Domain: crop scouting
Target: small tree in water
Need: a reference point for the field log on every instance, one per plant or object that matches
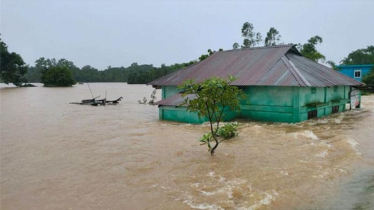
(213, 97)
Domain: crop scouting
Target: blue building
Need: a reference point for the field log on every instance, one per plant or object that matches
(355, 71)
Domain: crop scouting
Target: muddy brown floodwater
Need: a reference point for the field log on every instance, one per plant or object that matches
(60, 156)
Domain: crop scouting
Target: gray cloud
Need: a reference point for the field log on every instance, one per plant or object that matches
(118, 33)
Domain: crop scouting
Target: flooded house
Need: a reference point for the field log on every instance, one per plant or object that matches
(355, 71)
(281, 86)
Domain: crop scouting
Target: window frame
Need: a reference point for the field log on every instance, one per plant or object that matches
(354, 73)
(335, 109)
(312, 114)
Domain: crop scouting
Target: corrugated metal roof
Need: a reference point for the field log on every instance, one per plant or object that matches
(280, 65)
(319, 75)
(175, 100)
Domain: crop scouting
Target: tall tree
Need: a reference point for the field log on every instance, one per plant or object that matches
(272, 37)
(360, 56)
(12, 66)
(235, 45)
(251, 38)
(309, 49)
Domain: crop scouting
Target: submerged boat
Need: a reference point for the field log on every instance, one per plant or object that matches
(96, 102)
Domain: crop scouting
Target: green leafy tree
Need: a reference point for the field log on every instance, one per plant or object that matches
(33, 74)
(309, 49)
(213, 97)
(57, 76)
(235, 45)
(272, 37)
(210, 52)
(251, 38)
(332, 64)
(204, 56)
(369, 79)
(12, 66)
(360, 56)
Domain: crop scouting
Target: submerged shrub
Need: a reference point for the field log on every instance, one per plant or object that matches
(206, 138)
(213, 97)
(228, 131)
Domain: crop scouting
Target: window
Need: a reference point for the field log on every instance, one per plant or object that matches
(357, 73)
(335, 88)
(312, 114)
(335, 109)
(314, 90)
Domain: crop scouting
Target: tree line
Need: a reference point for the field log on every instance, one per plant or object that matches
(14, 70)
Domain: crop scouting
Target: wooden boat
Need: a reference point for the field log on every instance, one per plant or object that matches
(96, 102)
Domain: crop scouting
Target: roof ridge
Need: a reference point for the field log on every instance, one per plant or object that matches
(260, 67)
(295, 72)
(255, 48)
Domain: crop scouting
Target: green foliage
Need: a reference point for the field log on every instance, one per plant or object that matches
(369, 79)
(137, 76)
(12, 66)
(251, 38)
(309, 49)
(332, 64)
(272, 37)
(228, 130)
(210, 52)
(57, 76)
(360, 56)
(134, 74)
(203, 57)
(213, 97)
(206, 137)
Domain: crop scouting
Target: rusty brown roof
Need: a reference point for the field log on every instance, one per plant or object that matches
(280, 65)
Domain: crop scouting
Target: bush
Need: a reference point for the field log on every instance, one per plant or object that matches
(57, 76)
(206, 138)
(369, 79)
(228, 131)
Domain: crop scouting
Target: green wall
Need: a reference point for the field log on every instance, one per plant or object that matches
(272, 104)
(322, 100)
(168, 91)
(180, 114)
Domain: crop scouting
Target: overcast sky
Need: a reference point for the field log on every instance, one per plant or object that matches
(118, 32)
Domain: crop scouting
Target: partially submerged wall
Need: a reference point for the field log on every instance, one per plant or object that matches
(271, 104)
(180, 114)
(323, 100)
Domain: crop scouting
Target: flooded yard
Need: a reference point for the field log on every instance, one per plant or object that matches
(55, 155)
